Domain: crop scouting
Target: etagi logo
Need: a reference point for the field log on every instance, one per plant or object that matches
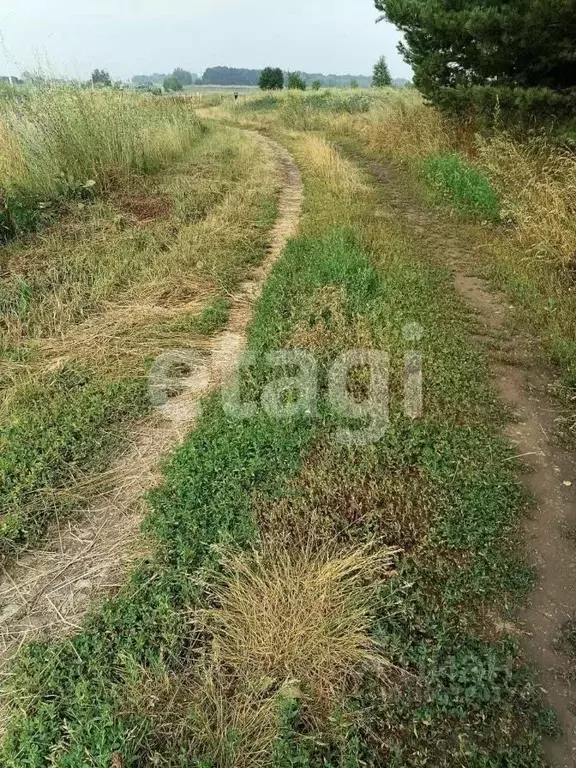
(297, 394)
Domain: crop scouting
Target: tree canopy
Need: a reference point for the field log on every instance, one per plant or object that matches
(101, 77)
(230, 76)
(271, 79)
(450, 43)
(184, 77)
(381, 77)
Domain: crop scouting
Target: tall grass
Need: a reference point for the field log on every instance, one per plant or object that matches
(538, 187)
(66, 141)
(534, 179)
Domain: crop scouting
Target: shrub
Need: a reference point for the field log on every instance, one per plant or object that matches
(465, 186)
(172, 84)
(296, 82)
(271, 79)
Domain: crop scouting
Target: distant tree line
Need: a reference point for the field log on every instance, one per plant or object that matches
(231, 76)
(182, 76)
(248, 77)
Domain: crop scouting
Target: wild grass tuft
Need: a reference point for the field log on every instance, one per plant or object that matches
(289, 629)
(303, 618)
(463, 186)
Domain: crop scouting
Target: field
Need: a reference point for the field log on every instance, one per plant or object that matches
(275, 379)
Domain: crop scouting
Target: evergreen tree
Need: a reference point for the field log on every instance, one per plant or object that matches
(271, 79)
(526, 43)
(381, 77)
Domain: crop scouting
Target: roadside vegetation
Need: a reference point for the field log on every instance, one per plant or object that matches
(311, 603)
(143, 260)
(303, 600)
(61, 143)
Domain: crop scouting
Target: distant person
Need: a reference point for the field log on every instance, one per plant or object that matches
(236, 94)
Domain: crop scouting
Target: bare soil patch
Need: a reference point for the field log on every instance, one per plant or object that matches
(144, 208)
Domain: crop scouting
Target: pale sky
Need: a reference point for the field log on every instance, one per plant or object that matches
(127, 37)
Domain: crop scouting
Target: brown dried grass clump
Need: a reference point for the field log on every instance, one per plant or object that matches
(329, 328)
(537, 185)
(290, 628)
(303, 616)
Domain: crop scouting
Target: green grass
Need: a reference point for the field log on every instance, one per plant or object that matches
(60, 428)
(445, 488)
(464, 186)
(212, 318)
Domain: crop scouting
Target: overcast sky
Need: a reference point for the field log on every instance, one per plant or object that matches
(127, 37)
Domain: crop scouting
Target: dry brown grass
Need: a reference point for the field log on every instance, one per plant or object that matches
(406, 129)
(289, 626)
(106, 290)
(327, 165)
(537, 184)
(300, 616)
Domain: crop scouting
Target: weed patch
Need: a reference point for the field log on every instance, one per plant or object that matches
(59, 430)
(467, 188)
